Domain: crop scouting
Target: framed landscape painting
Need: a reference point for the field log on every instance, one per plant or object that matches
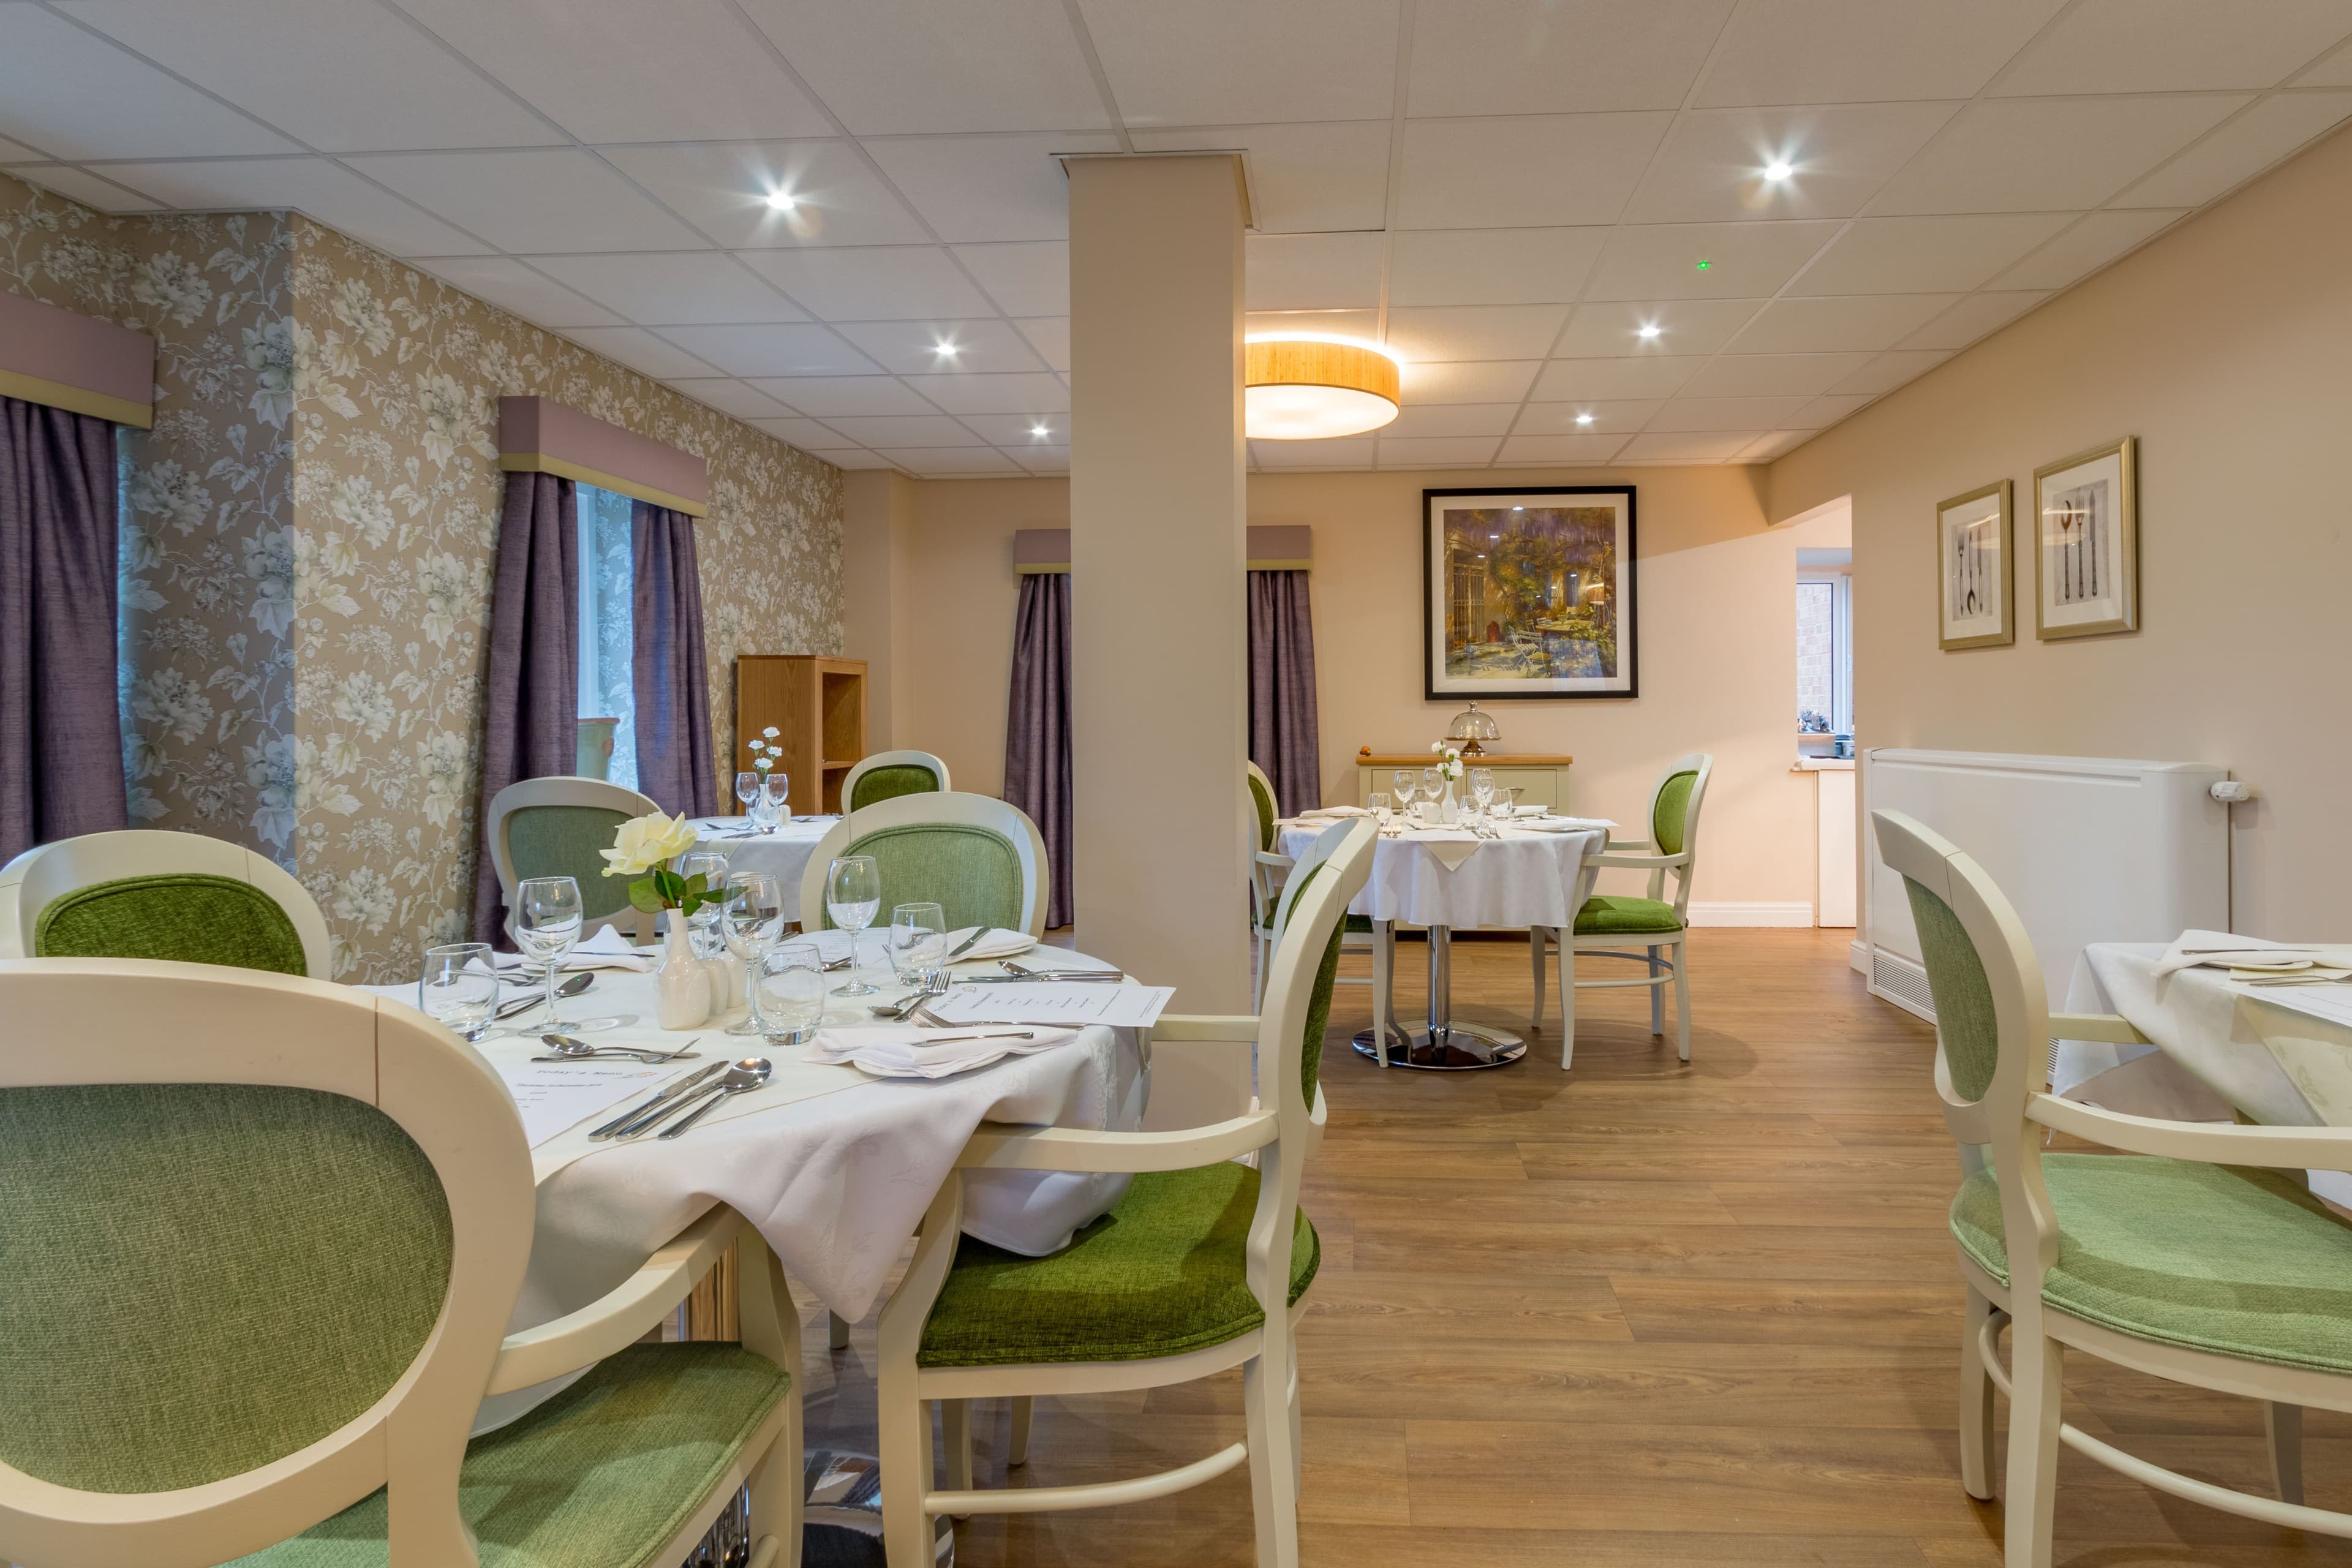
(2086, 543)
(1529, 592)
(1973, 537)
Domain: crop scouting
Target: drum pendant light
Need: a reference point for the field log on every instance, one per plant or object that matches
(1310, 389)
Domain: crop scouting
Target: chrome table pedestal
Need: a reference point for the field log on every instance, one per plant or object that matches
(1444, 1045)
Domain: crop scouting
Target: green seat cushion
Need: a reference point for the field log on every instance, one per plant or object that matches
(187, 916)
(890, 783)
(1158, 1275)
(601, 1475)
(569, 841)
(2210, 1258)
(1606, 913)
(1356, 925)
(973, 873)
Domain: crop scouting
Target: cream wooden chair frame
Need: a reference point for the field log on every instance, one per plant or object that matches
(561, 790)
(2006, 1127)
(140, 1022)
(893, 760)
(33, 881)
(1662, 971)
(945, 806)
(1280, 1135)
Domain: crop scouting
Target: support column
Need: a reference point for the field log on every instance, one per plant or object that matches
(1159, 671)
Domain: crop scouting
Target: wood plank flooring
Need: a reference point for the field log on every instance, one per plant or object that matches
(1641, 1313)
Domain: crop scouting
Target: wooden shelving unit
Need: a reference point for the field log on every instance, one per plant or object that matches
(817, 705)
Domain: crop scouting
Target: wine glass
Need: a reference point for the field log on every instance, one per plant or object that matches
(776, 794)
(1433, 788)
(702, 925)
(1405, 784)
(747, 789)
(459, 988)
(547, 925)
(1482, 790)
(788, 990)
(751, 922)
(1379, 804)
(919, 946)
(853, 897)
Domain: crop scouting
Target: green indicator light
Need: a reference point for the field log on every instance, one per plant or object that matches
(1704, 265)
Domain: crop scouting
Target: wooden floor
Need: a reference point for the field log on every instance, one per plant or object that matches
(1640, 1313)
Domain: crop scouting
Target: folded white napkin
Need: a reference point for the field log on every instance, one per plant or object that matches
(998, 944)
(910, 1053)
(1330, 813)
(1564, 824)
(2225, 950)
(608, 949)
(1503, 808)
(1451, 845)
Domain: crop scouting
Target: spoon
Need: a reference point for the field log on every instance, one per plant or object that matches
(905, 1005)
(567, 1047)
(571, 987)
(746, 1075)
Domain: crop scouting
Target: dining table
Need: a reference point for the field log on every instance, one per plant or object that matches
(1508, 875)
(782, 849)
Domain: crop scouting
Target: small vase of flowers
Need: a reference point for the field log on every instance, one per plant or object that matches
(643, 848)
(766, 757)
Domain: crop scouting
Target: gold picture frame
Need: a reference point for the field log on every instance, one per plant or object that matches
(1976, 542)
(2086, 543)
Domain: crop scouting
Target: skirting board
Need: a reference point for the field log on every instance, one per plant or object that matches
(1750, 914)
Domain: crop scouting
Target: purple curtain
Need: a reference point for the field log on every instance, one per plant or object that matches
(1037, 727)
(1284, 739)
(531, 682)
(60, 729)
(673, 682)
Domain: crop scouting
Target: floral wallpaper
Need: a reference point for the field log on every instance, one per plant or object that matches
(309, 535)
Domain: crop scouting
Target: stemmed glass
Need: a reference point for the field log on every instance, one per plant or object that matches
(853, 897)
(919, 946)
(1433, 786)
(1482, 790)
(547, 925)
(1379, 804)
(1405, 784)
(460, 986)
(788, 991)
(753, 921)
(776, 794)
(702, 926)
(747, 789)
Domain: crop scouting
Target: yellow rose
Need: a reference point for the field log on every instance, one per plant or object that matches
(645, 842)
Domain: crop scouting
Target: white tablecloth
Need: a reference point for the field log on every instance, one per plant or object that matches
(2202, 1063)
(785, 852)
(1523, 878)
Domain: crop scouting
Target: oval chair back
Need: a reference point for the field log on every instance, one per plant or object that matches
(1675, 802)
(558, 827)
(239, 1371)
(887, 775)
(146, 893)
(981, 859)
(1340, 858)
(1265, 807)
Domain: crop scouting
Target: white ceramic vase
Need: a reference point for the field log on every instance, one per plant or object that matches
(682, 982)
(1449, 811)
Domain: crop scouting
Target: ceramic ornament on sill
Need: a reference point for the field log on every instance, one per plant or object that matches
(1449, 768)
(643, 848)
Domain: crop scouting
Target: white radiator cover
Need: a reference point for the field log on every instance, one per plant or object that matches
(2088, 849)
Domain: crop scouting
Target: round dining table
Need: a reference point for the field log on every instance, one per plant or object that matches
(784, 849)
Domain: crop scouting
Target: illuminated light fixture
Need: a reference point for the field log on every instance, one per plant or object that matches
(1704, 265)
(1518, 508)
(1584, 419)
(1040, 430)
(946, 351)
(1649, 331)
(1778, 169)
(781, 200)
(1299, 387)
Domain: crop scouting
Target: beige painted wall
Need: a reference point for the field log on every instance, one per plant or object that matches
(2224, 348)
(1717, 652)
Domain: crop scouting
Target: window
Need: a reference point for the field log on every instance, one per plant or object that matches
(607, 582)
(1824, 647)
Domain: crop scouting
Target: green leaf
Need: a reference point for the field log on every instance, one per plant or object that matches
(644, 894)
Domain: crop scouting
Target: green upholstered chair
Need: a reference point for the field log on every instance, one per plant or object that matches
(885, 775)
(142, 893)
(1611, 925)
(979, 858)
(2195, 1254)
(1269, 869)
(558, 827)
(1200, 1266)
(309, 1261)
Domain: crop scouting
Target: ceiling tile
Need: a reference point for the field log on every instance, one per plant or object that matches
(1313, 271)
(1743, 260)
(512, 286)
(2264, 134)
(17, 152)
(909, 67)
(1843, 325)
(1024, 279)
(987, 187)
(1446, 333)
(1507, 57)
(795, 349)
(1592, 417)
(341, 75)
(1488, 381)
(1684, 327)
(1302, 178)
(1888, 371)
(1040, 457)
(826, 396)
(1016, 392)
(1866, 51)
(805, 433)
(1971, 318)
(1239, 62)
(722, 190)
(1050, 336)
(1712, 166)
(676, 290)
(1773, 444)
(2048, 154)
(1492, 265)
(1772, 376)
(1925, 255)
(2097, 239)
(1013, 431)
(1687, 446)
(732, 398)
(912, 348)
(1725, 412)
(1650, 376)
(621, 71)
(323, 189)
(1349, 452)
(1435, 451)
(1339, 323)
(537, 199)
(80, 185)
(951, 460)
(1434, 419)
(871, 283)
(850, 458)
(1535, 171)
(1823, 411)
(2174, 46)
(76, 96)
(2335, 70)
(640, 351)
(905, 430)
(1561, 449)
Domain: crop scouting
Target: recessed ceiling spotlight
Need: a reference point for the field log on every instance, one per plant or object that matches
(781, 200)
(946, 351)
(1518, 508)
(1649, 330)
(1584, 419)
(1778, 169)
(1039, 430)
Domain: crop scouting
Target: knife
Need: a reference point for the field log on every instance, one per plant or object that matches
(967, 945)
(680, 1087)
